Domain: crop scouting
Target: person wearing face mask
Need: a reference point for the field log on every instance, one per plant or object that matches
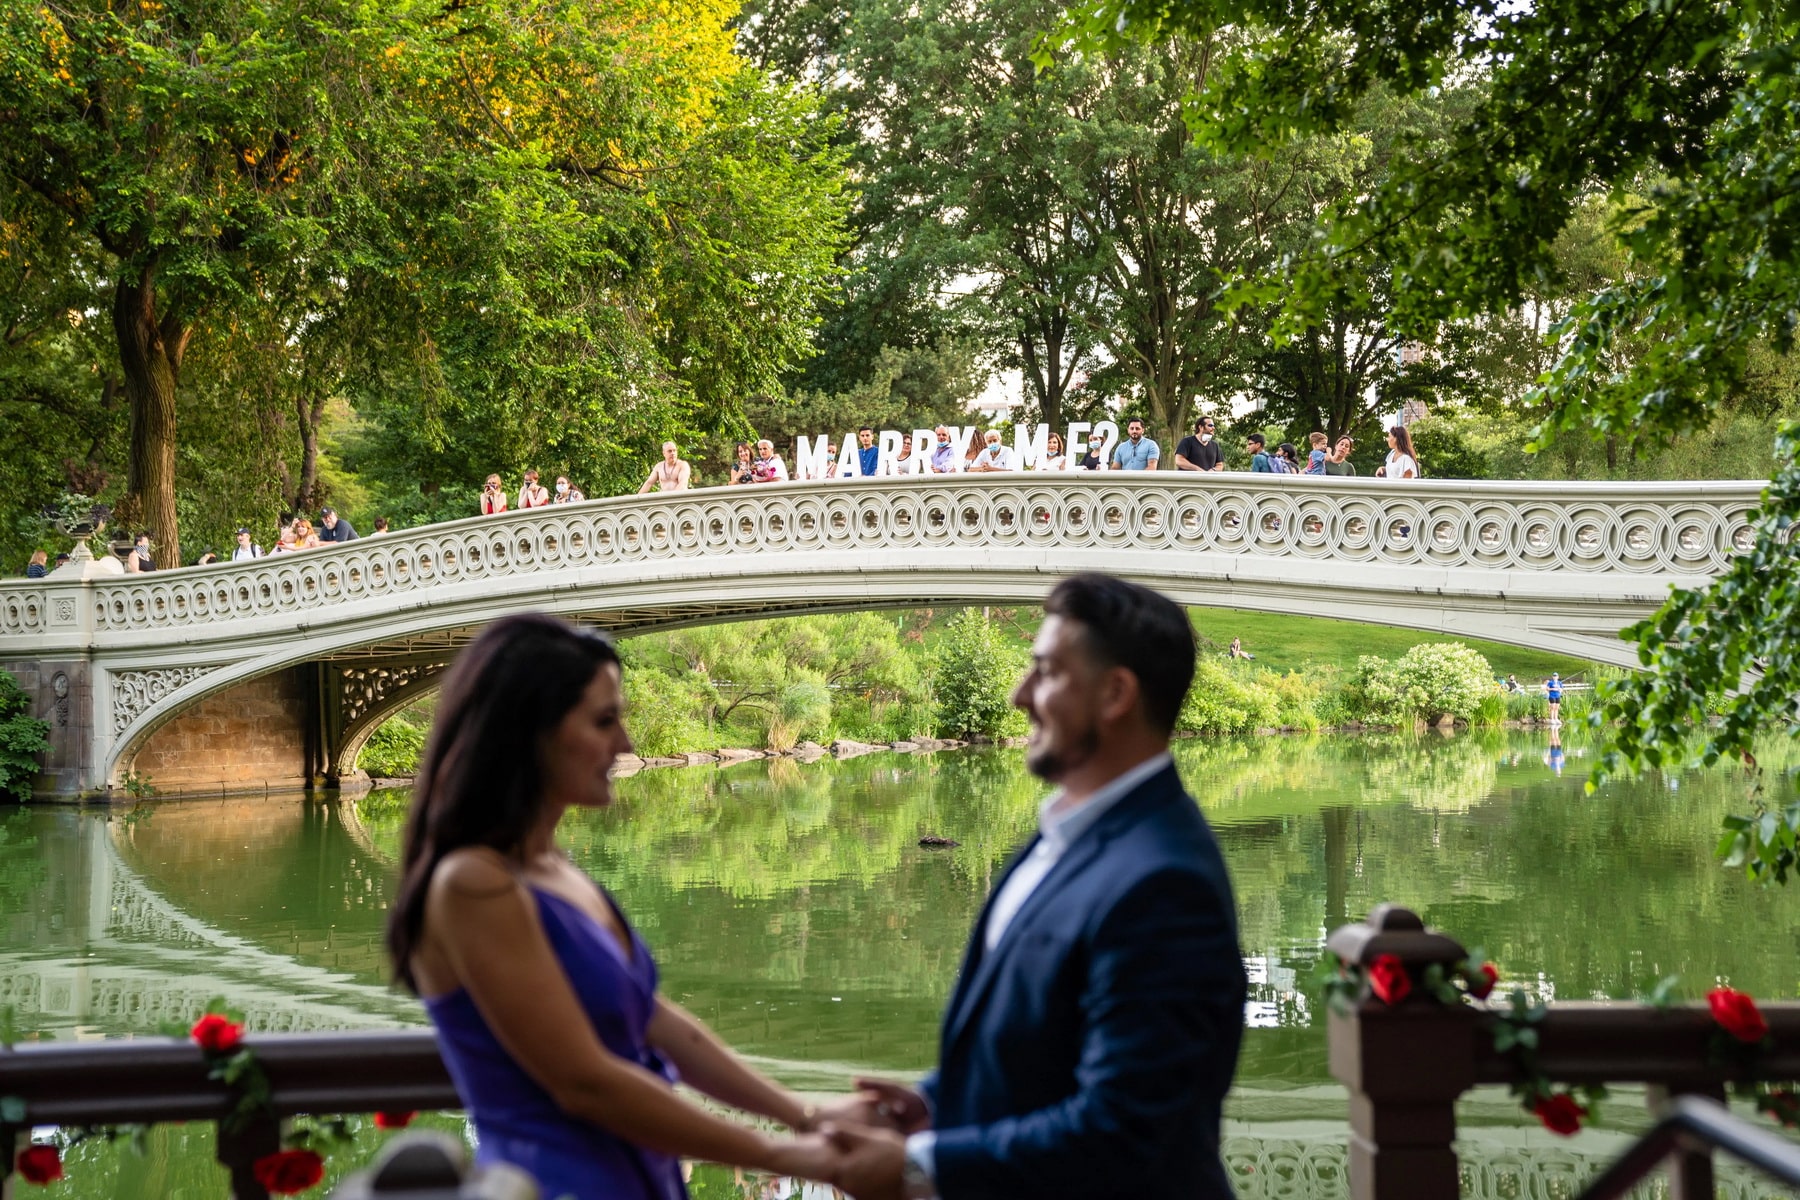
(671, 474)
(943, 459)
(1200, 451)
(994, 455)
(533, 494)
(1091, 460)
(565, 493)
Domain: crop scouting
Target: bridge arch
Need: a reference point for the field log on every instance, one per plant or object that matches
(365, 625)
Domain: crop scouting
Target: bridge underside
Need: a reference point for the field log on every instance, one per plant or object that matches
(300, 714)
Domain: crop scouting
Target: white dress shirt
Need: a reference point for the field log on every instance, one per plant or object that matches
(1057, 831)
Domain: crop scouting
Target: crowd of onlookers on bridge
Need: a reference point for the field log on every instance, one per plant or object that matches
(957, 451)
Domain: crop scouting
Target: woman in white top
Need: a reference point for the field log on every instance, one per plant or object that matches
(1400, 462)
(669, 475)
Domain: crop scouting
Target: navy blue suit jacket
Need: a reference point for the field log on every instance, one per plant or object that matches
(1088, 1055)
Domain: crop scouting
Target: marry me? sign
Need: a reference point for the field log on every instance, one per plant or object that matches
(1030, 448)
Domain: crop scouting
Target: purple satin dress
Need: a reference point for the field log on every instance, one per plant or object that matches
(516, 1121)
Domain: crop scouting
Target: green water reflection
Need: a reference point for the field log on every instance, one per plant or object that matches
(792, 907)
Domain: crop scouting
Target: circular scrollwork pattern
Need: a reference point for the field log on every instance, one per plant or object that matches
(1677, 531)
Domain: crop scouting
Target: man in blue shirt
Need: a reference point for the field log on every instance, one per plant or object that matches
(1256, 448)
(868, 454)
(1136, 452)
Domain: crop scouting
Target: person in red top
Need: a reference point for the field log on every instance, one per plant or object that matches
(493, 500)
(533, 494)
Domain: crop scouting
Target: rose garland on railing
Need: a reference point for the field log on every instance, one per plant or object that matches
(1741, 1038)
(1515, 1029)
(294, 1168)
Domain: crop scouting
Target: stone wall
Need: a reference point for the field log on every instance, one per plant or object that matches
(61, 692)
(248, 738)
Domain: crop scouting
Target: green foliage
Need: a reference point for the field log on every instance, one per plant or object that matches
(1443, 454)
(1688, 165)
(1225, 700)
(977, 670)
(1431, 681)
(393, 750)
(512, 235)
(23, 738)
(771, 684)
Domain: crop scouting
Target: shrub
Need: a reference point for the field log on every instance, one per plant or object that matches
(22, 739)
(976, 673)
(1222, 700)
(801, 709)
(1427, 683)
(393, 750)
(664, 712)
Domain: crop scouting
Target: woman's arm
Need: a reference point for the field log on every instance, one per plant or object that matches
(707, 1065)
(484, 927)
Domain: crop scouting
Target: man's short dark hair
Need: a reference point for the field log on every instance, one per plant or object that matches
(1126, 625)
(1130, 421)
(1257, 438)
(863, 430)
(1201, 423)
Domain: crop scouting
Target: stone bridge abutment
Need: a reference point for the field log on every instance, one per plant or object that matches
(273, 673)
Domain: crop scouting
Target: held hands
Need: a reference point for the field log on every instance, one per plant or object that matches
(860, 1140)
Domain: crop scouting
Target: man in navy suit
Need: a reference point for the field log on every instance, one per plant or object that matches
(1094, 1028)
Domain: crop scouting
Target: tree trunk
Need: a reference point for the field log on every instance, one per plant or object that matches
(311, 412)
(150, 352)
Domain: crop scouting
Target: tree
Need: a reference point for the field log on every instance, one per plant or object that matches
(519, 224)
(1683, 116)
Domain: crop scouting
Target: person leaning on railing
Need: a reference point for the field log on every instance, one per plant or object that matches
(544, 997)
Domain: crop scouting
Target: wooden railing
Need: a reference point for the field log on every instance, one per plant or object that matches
(1406, 1064)
(153, 1080)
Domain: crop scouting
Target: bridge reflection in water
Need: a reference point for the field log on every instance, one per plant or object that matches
(760, 886)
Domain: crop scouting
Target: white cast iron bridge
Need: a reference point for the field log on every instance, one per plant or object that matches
(371, 624)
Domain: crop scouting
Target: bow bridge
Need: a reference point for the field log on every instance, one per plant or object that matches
(275, 672)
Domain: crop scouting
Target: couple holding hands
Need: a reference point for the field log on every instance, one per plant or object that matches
(1088, 1044)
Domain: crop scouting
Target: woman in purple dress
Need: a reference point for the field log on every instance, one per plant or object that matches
(543, 995)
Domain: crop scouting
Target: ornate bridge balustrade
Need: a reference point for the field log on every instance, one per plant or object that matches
(345, 633)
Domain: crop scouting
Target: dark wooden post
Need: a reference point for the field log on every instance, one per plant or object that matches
(1690, 1169)
(12, 1140)
(1405, 1064)
(239, 1149)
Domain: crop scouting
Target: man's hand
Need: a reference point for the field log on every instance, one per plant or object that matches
(872, 1163)
(895, 1106)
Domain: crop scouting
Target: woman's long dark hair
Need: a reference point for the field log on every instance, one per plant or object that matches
(481, 779)
(1403, 443)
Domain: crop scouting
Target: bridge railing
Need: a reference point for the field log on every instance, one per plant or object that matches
(1657, 530)
(1407, 1063)
(152, 1080)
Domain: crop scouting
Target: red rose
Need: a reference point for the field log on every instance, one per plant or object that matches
(1388, 979)
(39, 1164)
(288, 1171)
(1560, 1113)
(1737, 1015)
(217, 1034)
(394, 1120)
(1481, 983)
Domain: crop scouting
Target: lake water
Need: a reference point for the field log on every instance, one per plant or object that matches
(791, 907)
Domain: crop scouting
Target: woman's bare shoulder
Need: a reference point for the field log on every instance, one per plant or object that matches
(472, 875)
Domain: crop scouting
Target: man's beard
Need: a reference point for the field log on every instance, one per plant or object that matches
(1051, 764)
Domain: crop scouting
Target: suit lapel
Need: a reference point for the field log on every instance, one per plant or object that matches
(979, 969)
(975, 952)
